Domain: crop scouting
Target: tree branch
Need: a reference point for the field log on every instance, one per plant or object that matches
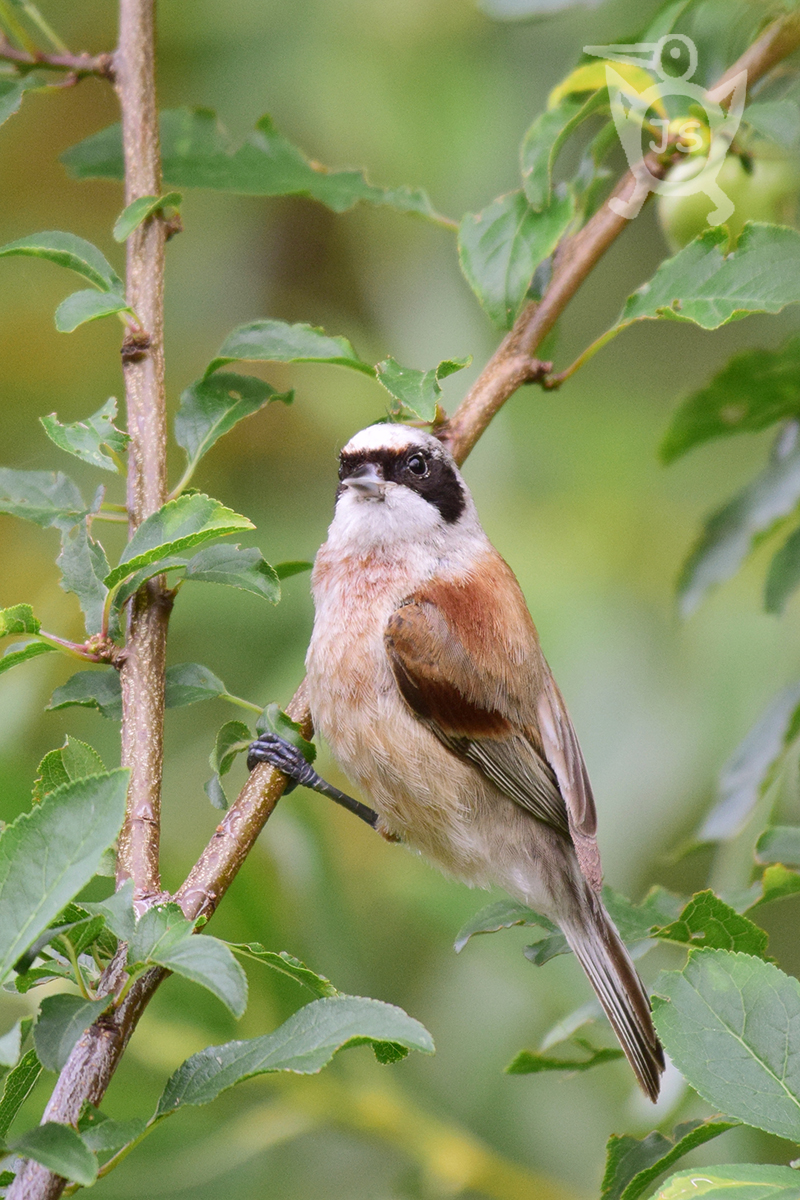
(94, 1059)
(142, 673)
(79, 65)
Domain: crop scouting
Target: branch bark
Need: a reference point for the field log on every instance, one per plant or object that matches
(143, 670)
(78, 65)
(94, 1059)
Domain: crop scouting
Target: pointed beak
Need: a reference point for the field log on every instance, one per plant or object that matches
(367, 481)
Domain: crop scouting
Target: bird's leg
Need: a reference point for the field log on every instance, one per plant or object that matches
(286, 758)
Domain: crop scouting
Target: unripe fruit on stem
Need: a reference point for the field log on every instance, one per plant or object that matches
(769, 191)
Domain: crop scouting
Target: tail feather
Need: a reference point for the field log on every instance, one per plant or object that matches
(608, 966)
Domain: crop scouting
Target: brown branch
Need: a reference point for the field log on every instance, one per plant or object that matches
(142, 673)
(94, 1059)
(79, 65)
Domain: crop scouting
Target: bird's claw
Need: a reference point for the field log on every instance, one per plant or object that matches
(286, 758)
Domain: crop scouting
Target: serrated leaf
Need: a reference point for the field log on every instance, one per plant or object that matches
(726, 1021)
(189, 683)
(545, 138)
(417, 391)
(139, 210)
(74, 760)
(778, 120)
(779, 844)
(12, 92)
(744, 1181)
(500, 915)
(274, 719)
(11, 1042)
(500, 248)
(304, 1044)
(117, 911)
(61, 1150)
(232, 739)
(90, 689)
(742, 777)
(130, 587)
(708, 921)
(285, 570)
(708, 287)
(86, 439)
(43, 497)
(732, 532)
(287, 964)
(108, 1134)
(231, 565)
(18, 618)
(776, 883)
(209, 962)
(529, 1063)
(197, 152)
(84, 566)
(67, 250)
(62, 1019)
(88, 305)
(177, 525)
(632, 1164)
(18, 1085)
(156, 930)
(278, 341)
(591, 77)
(50, 853)
(212, 406)
(754, 390)
(21, 653)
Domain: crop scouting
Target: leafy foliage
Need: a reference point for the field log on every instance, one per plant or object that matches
(277, 341)
(417, 392)
(633, 1164)
(527, 1063)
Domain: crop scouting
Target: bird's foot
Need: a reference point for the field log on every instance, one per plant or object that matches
(275, 750)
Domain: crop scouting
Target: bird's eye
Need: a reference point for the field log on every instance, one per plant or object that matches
(417, 465)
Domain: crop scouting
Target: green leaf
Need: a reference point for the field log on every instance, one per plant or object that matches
(156, 930)
(11, 1043)
(417, 391)
(500, 248)
(216, 793)
(42, 497)
(139, 210)
(545, 138)
(117, 911)
(277, 721)
(18, 619)
(62, 1019)
(90, 689)
(131, 586)
(705, 285)
(18, 1085)
(212, 406)
(304, 1044)
(245, 569)
(17, 654)
(277, 341)
(776, 883)
(779, 844)
(188, 683)
(74, 760)
(88, 305)
(742, 1181)
(778, 120)
(101, 1133)
(743, 777)
(708, 921)
(84, 566)
(232, 739)
(12, 91)
(528, 1063)
(732, 532)
(50, 853)
(285, 570)
(287, 964)
(726, 1021)
(209, 962)
(177, 525)
(754, 390)
(197, 152)
(500, 915)
(632, 1164)
(67, 250)
(61, 1150)
(783, 576)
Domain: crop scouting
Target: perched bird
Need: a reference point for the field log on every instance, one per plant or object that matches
(426, 678)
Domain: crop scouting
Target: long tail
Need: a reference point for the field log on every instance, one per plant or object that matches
(602, 954)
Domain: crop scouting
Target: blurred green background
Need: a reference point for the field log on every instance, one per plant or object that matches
(433, 93)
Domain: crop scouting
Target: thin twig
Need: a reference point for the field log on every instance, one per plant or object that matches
(80, 65)
(94, 1059)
